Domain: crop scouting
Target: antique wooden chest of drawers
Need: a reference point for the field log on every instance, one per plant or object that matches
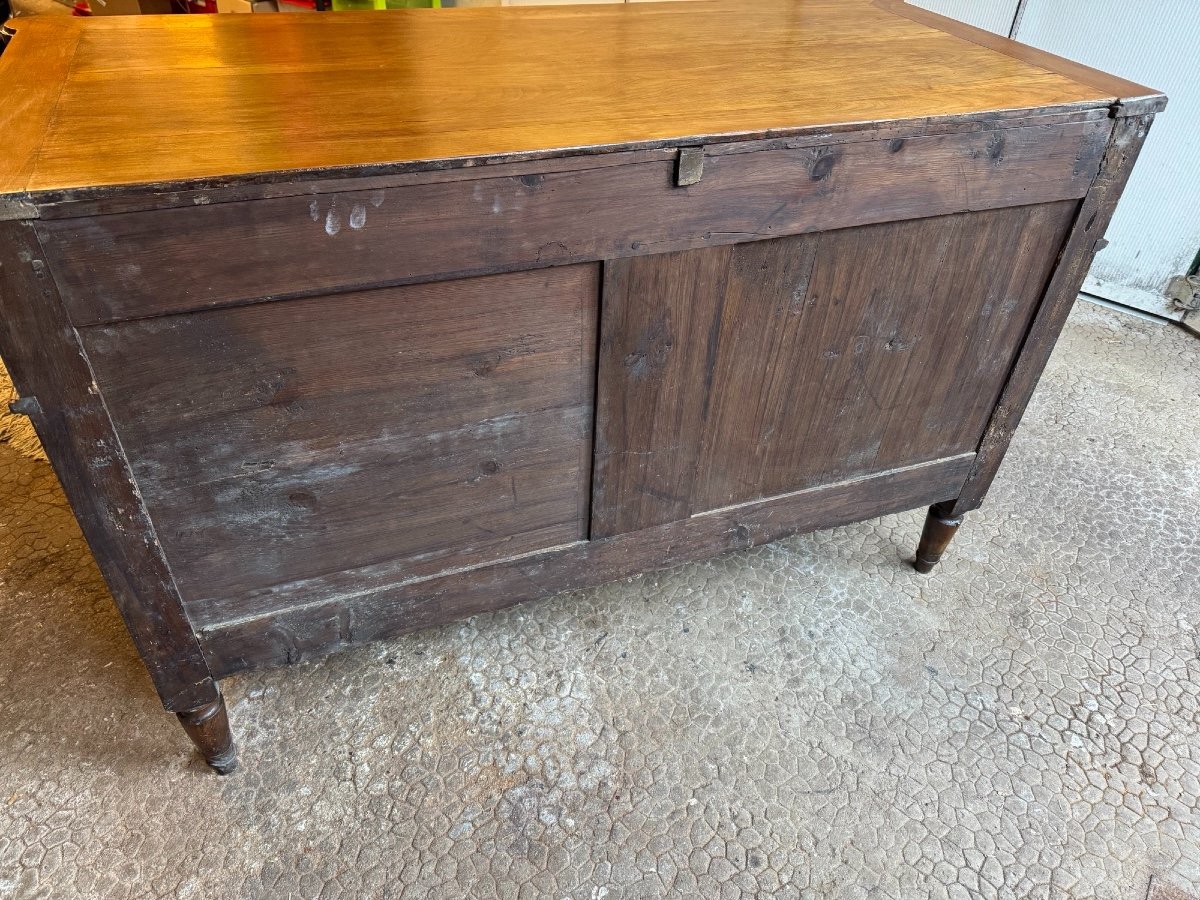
(340, 326)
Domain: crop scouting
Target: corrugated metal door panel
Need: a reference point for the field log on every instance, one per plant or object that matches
(1156, 230)
(994, 15)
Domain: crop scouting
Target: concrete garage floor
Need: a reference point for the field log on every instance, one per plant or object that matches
(810, 719)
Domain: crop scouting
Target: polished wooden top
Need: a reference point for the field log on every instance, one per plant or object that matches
(122, 100)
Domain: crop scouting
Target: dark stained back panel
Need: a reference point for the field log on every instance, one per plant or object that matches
(735, 373)
(435, 426)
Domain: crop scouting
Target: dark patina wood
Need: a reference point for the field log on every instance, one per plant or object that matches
(208, 727)
(133, 265)
(353, 608)
(436, 426)
(48, 367)
(940, 528)
(1091, 221)
(457, 348)
(205, 192)
(734, 374)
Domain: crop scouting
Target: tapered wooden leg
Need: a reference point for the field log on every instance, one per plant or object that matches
(939, 529)
(208, 727)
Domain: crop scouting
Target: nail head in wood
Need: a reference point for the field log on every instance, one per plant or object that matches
(691, 166)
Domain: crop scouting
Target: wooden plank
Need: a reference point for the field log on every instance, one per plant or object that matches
(660, 321)
(152, 263)
(202, 193)
(1095, 212)
(47, 364)
(737, 373)
(354, 608)
(437, 426)
(267, 96)
(869, 348)
(889, 131)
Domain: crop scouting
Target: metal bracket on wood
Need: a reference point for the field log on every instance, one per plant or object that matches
(13, 209)
(690, 168)
(25, 406)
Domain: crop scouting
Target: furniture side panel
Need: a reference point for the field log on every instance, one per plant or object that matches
(49, 368)
(433, 426)
(661, 316)
(133, 265)
(1086, 233)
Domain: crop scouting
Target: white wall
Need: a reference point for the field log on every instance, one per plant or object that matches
(1156, 230)
(1155, 233)
(994, 15)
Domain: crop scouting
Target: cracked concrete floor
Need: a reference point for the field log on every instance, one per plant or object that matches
(807, 720)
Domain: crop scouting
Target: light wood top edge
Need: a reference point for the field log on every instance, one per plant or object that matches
(44, 184)
(25, 115)
(1138, 97)
(494, 165)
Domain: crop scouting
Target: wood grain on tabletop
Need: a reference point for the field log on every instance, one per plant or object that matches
(152, 99)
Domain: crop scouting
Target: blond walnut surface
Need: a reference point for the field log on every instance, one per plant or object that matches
(165, 99)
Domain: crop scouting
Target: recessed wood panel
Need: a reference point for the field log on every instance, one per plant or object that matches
(732, 374)
(431, 427)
